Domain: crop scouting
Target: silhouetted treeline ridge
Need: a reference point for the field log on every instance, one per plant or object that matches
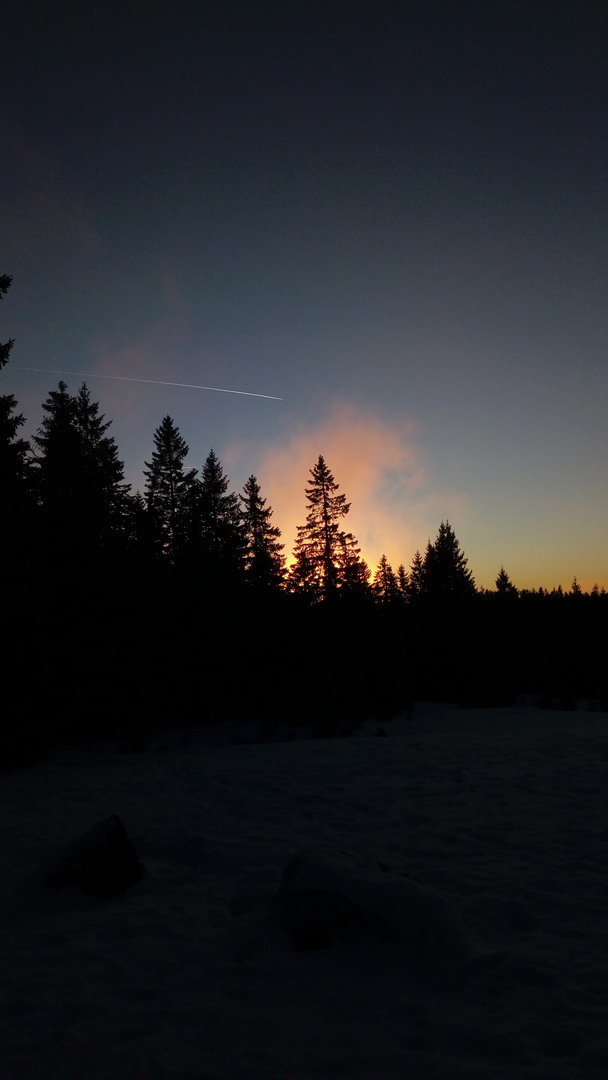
(66, 502)
(126, 610)
(68, 486)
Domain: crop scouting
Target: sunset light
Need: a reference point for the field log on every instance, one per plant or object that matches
(303, 539)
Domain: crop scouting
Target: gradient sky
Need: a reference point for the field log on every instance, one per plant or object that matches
(392, 215)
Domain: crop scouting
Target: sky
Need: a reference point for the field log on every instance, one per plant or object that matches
(391, 216)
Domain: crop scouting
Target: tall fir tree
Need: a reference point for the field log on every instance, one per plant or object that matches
(104, 489)
(220, 527)
(169, 491)
(385, 587)
(264, 561)
(326, 557)
(79, 478)
(303, 575)
(403, 582)
(446, 573)
(353, 572)
(428, 567)
(415, 584)
(504, 585)
(57, 457)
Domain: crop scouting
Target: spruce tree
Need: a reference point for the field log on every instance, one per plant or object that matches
(169, 490)
(326, 558)
(56, 456)
(220, 526)
(104, 488)
(504, 585)
(415, 585)
(79, 478)
(353, 571)
(303, 576)
(385, 587)
(57, 476)
(446, 574)
(428, 567)
(264, 561)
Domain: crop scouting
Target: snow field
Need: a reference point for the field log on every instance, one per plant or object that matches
(502, 814)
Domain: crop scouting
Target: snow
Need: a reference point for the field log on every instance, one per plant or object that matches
(474, 842)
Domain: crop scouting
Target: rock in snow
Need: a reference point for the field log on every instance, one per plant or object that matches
(102, 861)
(321, 899)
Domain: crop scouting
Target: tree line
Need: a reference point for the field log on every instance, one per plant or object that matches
(68, 486)
(127, 609)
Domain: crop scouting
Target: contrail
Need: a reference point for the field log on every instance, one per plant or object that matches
(155, 382)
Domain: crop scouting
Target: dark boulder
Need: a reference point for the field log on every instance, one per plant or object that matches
(324, 899)
(102, 862)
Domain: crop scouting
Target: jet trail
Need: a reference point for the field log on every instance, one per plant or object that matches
(155, 382)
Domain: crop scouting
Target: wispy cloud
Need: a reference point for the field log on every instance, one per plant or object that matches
(379, 466)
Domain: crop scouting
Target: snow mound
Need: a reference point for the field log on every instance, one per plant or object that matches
(323, 899)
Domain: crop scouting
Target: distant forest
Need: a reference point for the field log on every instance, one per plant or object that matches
(124, 611)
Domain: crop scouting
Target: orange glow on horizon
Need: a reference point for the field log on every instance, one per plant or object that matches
(396, 504)
(377, 465)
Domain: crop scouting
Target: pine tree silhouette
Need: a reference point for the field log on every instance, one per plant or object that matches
(504, 585)
(415, 585)
(264, 562)
(168, 490)
(445, 567)
(326, 558)
(353, 571)
(79, 478)
(220, 519)
(386, 587)
(104, 490)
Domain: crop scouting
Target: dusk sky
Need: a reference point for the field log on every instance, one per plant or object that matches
(393, 216)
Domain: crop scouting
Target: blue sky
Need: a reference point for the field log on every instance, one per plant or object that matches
(393, 216)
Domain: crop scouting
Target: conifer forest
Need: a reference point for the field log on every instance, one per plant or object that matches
(124, 610)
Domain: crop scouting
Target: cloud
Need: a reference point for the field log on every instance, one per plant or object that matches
(378, 465)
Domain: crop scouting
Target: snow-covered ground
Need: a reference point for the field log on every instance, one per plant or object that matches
(501, 815)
